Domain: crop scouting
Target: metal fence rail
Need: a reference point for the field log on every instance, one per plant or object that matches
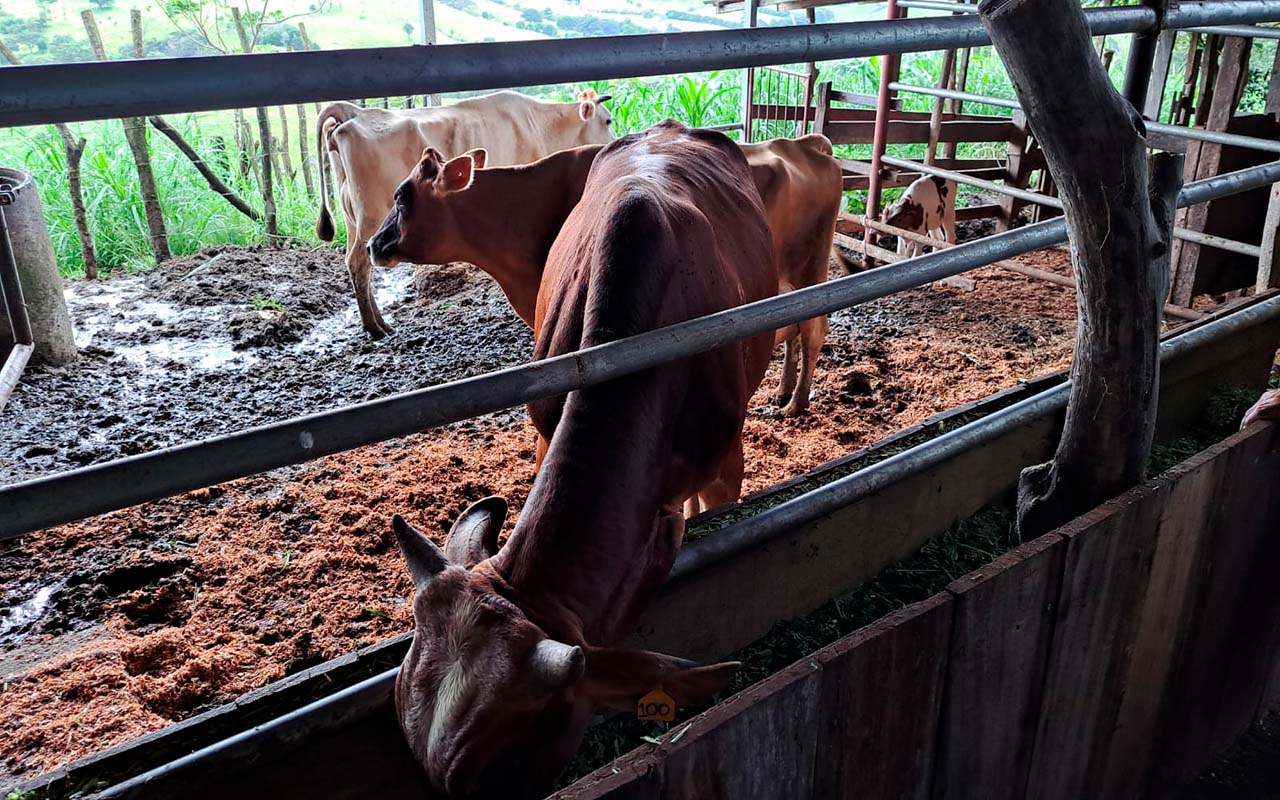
(1208, 240)
(372, 695)
(1217, 137)
(57, 93)
(80, 493)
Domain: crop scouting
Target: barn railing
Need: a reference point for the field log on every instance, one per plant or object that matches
(42, 94)
(32, 95)
(67, 496)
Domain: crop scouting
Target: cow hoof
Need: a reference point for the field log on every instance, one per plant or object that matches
(378, 332)
(780, 397)
(795, 409)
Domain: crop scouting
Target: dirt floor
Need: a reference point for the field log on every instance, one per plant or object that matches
(119, 625)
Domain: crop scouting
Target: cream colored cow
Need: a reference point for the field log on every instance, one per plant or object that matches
(372, 149)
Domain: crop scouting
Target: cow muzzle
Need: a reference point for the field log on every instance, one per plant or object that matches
(382, 246)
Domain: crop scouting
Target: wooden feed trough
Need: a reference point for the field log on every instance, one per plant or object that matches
(1114, 657)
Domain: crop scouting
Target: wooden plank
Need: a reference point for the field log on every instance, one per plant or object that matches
(995, 671)
(1269, 263)
(1175, 580)
(1227, 655)
(1229, 80)
(856, 98)
(1108, 560)
(880, 704)
(635, 776)
(758, 744)
(1159, 74)
(1018, 171)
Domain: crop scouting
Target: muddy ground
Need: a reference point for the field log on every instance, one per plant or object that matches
(118, 625)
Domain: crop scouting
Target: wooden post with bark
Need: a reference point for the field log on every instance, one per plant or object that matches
(211, 177)
(264, 136)
(184, 147)
(74, 149)
(935, 114)
(135, 133)
(285, 161)
(1119, 211)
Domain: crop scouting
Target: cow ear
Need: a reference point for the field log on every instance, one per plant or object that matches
(480, 156)
(586, 109)
(616, 678)
(457, 174)
(424, 559)
(474, 536)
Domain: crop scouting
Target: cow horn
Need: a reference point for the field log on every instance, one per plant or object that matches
(557, 665)
(474, 536)
(604, 98)
(424, 559)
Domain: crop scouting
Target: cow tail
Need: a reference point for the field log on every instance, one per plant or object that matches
(324, 221)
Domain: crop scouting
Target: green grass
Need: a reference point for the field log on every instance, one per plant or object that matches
(195, 216)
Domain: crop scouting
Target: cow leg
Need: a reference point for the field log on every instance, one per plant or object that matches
(790, 359)
(813, 334)
(359, 266)
(543, 444)
(727, 486)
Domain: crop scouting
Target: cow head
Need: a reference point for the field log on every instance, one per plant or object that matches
(490, 704)
(597, 122)
(418, 221)
(906, 214)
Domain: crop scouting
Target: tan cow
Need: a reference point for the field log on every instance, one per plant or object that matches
(372, 149)
(504, 220)
(514, 649)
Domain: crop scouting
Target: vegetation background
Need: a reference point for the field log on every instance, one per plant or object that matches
(51, 31)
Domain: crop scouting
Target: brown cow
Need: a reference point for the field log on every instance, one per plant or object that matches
(512, 651)
(505, 220)
(372, 149)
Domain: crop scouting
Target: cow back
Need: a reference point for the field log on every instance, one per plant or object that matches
(670, 227)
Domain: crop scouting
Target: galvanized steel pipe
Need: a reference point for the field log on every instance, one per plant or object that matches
(99, 488)
(41, 94)
(1218, 137)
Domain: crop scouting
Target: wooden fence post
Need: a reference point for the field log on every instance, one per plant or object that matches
(74, 149)
(1159, 74)
(215, 183)
(135, 133)
(1119, 212)
(935, 114)
(1232, 74)
(1269, 261)
(264, 134)
(285, 160)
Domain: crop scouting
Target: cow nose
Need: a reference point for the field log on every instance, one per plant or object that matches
(379, 252)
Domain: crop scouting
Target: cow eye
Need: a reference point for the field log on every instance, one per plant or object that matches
(608, 122)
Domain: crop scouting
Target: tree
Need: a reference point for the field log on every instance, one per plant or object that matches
(226, 28)
(1119, 211)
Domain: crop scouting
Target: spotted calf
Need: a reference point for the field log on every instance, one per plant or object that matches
(927, 206)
